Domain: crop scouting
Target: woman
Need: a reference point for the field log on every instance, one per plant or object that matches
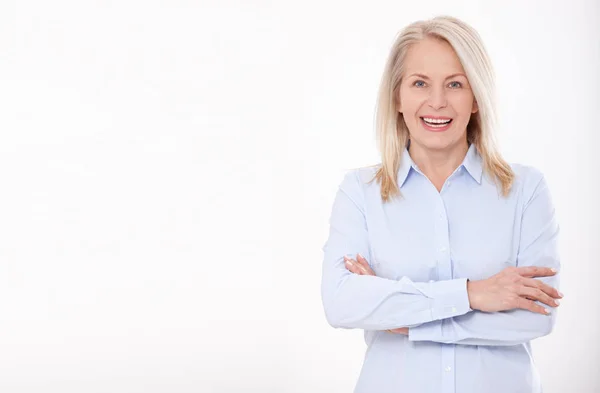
(444, 253)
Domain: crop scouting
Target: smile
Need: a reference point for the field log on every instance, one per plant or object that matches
(436, 124)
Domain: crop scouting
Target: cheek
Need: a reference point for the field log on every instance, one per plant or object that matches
(463, 105)
(410, 105)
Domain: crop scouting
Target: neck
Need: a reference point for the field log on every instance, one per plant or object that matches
(438, 164)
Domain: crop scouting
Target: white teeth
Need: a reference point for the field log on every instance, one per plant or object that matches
(436, 121)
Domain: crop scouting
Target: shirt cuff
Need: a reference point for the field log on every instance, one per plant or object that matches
(450, 298)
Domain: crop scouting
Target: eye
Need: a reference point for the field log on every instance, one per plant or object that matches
(415, 83)
(459, 84)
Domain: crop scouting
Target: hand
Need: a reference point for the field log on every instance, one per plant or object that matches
(512, 288)
(361, 267)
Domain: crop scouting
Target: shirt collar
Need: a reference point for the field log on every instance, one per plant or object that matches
(472, 163)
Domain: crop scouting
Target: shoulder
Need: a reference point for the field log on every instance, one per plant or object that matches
(529, 179)
(356, 179)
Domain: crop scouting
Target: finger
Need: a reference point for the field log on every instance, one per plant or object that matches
(363, 262)
(352, 266)
(532, 282)
(536, 271)
(358, 266)
(532, 306)
(399, 331)
(537, 294)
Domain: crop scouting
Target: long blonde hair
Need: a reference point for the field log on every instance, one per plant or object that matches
(391, 130)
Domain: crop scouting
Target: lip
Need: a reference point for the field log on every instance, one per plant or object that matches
(436, 129)
(437, 117)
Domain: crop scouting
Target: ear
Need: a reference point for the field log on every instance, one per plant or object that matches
(398, 106)
(475, 107)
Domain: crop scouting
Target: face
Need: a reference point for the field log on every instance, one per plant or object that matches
(435, 89)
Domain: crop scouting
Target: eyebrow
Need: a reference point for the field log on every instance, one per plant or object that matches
(448, 77)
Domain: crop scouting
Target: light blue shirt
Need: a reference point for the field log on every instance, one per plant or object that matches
(422, 249)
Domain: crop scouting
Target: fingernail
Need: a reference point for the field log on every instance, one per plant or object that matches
(557, 302)
(547, 311)
(553, 270)
(560, 294)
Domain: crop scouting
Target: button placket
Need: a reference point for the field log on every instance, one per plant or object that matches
(445, 273)
(448, 375)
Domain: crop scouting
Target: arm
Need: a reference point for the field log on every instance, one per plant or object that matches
(538, 247)
(370, 302)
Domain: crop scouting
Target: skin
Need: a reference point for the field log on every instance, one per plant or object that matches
(442, 89)
(513, 287)
(436, 92)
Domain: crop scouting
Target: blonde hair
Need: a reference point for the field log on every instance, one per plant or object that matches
(391, 130)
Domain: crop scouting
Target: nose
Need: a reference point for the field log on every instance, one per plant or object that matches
(437, 98)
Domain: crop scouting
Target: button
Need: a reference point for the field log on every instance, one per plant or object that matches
(448, 368)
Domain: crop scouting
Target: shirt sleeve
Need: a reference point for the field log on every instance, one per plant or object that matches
(369, 302)
(538, 247)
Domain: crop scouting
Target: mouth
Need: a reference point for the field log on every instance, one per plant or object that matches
(433, 124)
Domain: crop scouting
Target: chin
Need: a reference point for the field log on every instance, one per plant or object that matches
(435, 143)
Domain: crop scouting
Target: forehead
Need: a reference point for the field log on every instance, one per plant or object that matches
(433, 57)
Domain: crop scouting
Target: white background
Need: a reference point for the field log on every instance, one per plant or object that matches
(167, 170)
